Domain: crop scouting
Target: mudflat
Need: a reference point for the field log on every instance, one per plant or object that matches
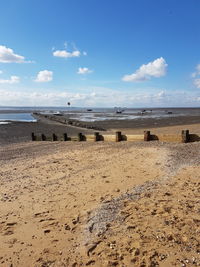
(17, 132)
(99, 204)
(21, 131)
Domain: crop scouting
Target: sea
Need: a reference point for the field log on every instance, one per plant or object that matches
(24, 114)
(6, 118)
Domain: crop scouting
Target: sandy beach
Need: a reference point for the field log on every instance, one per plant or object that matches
(99, 204)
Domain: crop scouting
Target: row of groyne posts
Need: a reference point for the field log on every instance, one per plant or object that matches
(184, 137)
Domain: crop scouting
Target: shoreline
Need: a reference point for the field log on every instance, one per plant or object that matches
(21, 131)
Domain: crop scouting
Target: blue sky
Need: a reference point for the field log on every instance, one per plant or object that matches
(107, 53)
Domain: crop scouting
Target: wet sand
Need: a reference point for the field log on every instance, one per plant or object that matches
(99, 204)
(146, 123)
(17, 132)
(21, 131)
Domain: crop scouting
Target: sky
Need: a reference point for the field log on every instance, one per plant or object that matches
(100, 53)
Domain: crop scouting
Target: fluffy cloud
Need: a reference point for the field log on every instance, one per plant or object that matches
(12, 80)
(1, 71)
(156, 68)
(7, 55)
(84, 71)
(66, 54)
(44, 76)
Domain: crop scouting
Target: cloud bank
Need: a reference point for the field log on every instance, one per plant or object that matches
(12, 80)
(156, 68)
(99, 97)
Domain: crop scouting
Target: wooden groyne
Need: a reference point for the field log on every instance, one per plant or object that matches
(183, 137)
(61, 119)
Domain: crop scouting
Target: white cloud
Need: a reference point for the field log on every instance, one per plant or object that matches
(197, 83)
(196, 76)
(84, 71)
(84, 53)
(1, 71)
(161, 94)
(7, 55)
(197, 72)
(66, 54)
(44, 76)
(12, 80)
(156, 68)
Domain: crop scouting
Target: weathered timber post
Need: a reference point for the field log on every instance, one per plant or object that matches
(33, 137)
(185, 135)
(118, 137)
(80, 137)
(54, 137)
(43, 137)
(147, 136)
(65, 136)
(96, 137)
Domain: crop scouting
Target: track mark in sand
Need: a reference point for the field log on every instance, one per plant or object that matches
(8, 228)
(92, 247)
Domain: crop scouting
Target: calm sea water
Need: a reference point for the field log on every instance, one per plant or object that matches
(26, 117)
(95, 114)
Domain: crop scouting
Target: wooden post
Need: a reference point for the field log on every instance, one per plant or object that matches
(185, 136)
(80, 137)
(33, 137)
(54, 137)
(65, 136)
(43, 137)
(118, 136)
(147, 136)
(96, 137)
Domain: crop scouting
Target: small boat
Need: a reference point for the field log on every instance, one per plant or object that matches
(143, 112)
(168, 112)
(57, 113)
(119, 111)
(89, 109)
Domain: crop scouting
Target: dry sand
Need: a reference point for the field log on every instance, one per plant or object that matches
(99, 204)
(176, 129)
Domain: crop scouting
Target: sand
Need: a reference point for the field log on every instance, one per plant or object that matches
(18, 132)
(99, 204)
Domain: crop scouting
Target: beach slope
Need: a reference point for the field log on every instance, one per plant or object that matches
(99, 204)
